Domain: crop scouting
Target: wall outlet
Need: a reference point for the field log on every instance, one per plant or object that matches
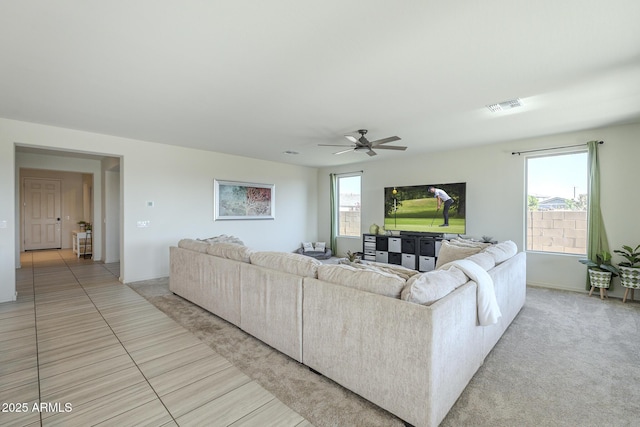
(3, 224)
(144, 224)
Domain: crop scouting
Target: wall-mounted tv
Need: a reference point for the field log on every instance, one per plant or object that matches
(415, 208)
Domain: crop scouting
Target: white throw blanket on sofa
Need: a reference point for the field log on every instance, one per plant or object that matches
(488, 309)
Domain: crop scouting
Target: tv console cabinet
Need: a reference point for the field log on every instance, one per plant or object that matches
(414, 251)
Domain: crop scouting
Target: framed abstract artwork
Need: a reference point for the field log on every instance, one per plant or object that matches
(243, 200)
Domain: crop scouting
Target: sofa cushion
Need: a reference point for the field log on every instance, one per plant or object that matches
(427, 288)
(375, 281)
(502, 251)
(194, 245)
(451, 252)
(230, 251)
(297, 264)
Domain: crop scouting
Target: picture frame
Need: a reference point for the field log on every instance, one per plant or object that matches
(234, 200)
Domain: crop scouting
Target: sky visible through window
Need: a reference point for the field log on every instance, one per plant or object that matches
(350, 185)
(562, 175)
(349, 188)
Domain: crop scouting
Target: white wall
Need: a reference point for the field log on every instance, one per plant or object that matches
(111, 209)
(180, 183)
(496, 194)
(8, 226)
(111, 217)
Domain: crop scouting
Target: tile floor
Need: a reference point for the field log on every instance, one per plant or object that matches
(78, 348)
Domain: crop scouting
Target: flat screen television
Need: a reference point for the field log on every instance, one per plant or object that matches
(414, 208)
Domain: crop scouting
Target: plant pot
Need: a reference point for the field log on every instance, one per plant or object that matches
(630, 277)
(600, 279)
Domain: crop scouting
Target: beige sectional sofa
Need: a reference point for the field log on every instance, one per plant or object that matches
(378, 330)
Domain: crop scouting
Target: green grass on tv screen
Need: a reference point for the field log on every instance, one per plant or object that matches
(420, 215)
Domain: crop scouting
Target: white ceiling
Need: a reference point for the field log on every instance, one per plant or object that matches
(257, 78)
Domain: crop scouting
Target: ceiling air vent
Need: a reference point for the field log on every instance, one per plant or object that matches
(504, 106)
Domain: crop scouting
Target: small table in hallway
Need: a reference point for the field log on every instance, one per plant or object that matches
(82, 242)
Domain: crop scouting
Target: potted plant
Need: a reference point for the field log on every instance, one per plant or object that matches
(600, 272)
(83, 225)
(353, 256)
(629, 269)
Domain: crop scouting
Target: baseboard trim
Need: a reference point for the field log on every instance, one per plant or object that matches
(556, 287)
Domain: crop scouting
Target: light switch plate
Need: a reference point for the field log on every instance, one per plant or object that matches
(144, 224)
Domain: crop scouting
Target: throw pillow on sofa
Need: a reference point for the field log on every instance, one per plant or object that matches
(307, 247)
(484, 260)
(429, 287)
(502, 251)
(451, 252)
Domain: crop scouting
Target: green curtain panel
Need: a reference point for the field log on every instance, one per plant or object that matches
(334, 219)
(596, 234)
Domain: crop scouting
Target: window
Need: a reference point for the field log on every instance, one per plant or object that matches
(349, 205)
(557, 203)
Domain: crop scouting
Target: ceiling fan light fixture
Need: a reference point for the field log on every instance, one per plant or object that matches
(505, 105)
(351, 138)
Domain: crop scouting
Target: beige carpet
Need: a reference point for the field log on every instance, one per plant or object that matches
(567, 360)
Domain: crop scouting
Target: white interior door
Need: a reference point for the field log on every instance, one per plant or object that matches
(42, 214)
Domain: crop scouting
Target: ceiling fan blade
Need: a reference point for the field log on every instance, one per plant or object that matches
(390, 147)
(335, 145)
(385, 140)
(371, 152)
(344, 151)
(351, 138)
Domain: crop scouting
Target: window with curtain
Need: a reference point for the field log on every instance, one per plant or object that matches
(557, 201)
(349, 206)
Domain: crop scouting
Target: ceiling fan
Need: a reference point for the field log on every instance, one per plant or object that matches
(363, 144)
